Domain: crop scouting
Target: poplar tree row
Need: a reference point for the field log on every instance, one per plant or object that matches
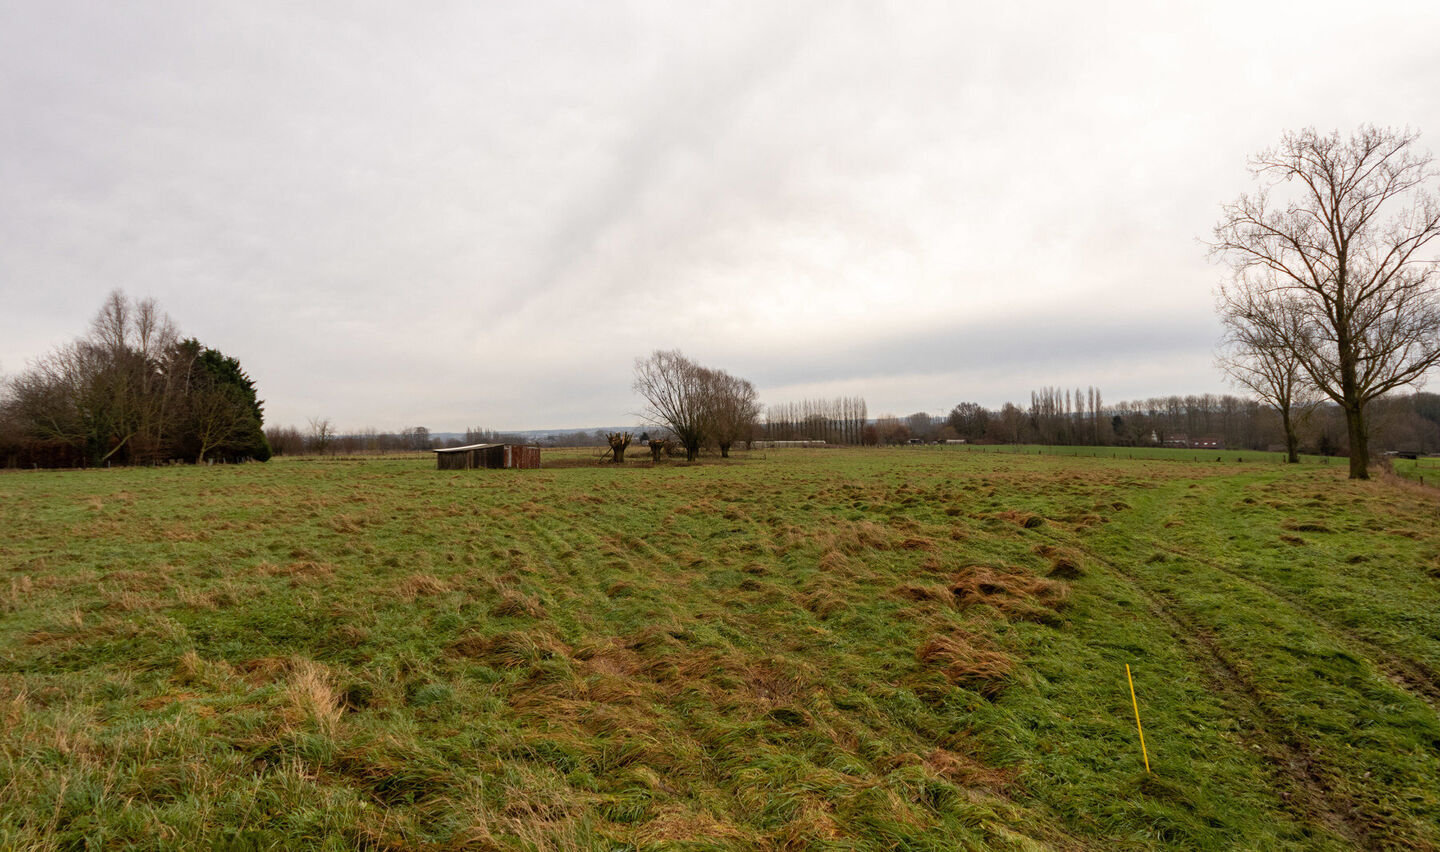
(835, 421)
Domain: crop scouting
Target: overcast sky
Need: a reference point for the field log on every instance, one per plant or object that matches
(452, 214)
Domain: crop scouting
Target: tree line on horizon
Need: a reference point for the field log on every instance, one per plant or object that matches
(1403, 422)
(1054, 416)
(130, 391)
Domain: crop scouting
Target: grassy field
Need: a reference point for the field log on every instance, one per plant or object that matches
(1145, 453)
(1423, 470)
(916, 649)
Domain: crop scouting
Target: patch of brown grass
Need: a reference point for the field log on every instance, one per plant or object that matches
(300, 573)
(834, 562)
(312, 695)
(676, 824)
(14, 592)
(513, 602)
(916, 543)
(263, 670)
(511, 649)
(420, 585)
(1016, 595)
(919, 592)
(1064, 569)
(847, 537)
(128, 601)
(821, 603)
(967, 661)
(1026, 520)
(965, 770)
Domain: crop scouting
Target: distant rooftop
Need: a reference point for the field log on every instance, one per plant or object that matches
(469, 447)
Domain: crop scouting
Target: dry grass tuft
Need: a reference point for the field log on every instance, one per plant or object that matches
(1017, 596)
(514, 603)
(822, 603)
(511, 649)
(312, 694)
(965, 770)
(847, 537)
(15, 592)
(1064, 569)
(300, 573)
(188, 667)
(834, 562)
(1304, 526)
(420, 585)
(194, 598)
(814, 821)
(918, 592)
(917, 543)
(1023, 519)
(676, 824)
(263, 670)
(966, 661)
(128, 601)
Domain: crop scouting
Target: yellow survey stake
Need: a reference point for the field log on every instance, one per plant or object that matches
(1138, 729)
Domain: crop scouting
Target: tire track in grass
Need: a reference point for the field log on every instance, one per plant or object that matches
(1299, 767)
(1410, 676)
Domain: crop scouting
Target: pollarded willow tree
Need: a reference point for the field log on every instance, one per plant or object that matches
(675, 389)
(1341, 233)
(697, 404)
(734, 409)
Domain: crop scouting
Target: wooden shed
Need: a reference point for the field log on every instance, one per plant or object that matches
(487, 456)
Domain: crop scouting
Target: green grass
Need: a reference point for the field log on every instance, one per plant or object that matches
(1423, 470)
(904, 649)
(1145, 453)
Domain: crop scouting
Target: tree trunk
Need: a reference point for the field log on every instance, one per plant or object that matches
(692, 451)
(1359, 445)
(1292, 442)
(618, 442)
(724, 451)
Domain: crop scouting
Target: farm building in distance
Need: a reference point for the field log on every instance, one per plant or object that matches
(487, 456)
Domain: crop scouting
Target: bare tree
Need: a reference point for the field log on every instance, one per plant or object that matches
(217, 417)
(734, 409)
(676, 389)
(1348, 248)
(1255, 354)
(285, 440)
(322, 435)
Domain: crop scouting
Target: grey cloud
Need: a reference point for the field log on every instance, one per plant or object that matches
(480, 214)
